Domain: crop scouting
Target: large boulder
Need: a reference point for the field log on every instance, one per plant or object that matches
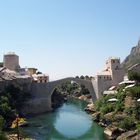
(96, 116)
(112, 132)
(130, 135)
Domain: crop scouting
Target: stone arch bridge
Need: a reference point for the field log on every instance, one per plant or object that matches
(42, 92)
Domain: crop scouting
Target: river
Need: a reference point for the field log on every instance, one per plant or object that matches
(69, 122)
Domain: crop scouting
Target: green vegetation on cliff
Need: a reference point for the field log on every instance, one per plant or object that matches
(123, 113)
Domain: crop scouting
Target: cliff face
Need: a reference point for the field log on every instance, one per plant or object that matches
(133, 58)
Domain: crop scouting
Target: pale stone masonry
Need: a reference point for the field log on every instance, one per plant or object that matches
(110, 76)
(11, 61)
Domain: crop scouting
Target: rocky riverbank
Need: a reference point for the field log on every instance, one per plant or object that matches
(110, 130)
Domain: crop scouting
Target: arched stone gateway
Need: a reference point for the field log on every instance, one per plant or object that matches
(42, 92)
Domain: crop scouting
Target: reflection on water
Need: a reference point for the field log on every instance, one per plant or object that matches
(69, 122)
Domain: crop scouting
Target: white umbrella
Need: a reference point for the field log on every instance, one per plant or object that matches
(126, 82)
(113, 100)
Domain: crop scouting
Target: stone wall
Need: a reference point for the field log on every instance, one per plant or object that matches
(42, 92)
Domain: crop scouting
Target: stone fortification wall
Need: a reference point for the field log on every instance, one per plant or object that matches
(24, 83)
(40, 101)
(118, 76)
(101, 85)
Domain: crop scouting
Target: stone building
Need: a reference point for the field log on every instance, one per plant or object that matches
(110, 76)
(23, 71)
(32, 71)
(11, 61)
(41, 78)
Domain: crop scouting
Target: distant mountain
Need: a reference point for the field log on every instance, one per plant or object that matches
(133, 58)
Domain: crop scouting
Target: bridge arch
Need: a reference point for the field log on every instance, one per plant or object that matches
(86, 83)
(42, 93)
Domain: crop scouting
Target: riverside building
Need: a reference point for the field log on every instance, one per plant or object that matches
(112, 75)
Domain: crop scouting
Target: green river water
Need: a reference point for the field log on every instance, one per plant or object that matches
(69, 122)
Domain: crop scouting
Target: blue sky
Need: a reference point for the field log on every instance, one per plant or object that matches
(68, 37)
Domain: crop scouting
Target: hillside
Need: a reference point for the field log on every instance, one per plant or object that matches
(133, 58)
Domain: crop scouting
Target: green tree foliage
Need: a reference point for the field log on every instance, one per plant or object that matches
(68, 87)
(136, 111)
(127, 123)
(134, 76)
(107, 109)
(2, 134)
(134, 92)
(138, 127)
(1, 122)
(1, 64)
(104, 106)
(11, 101)
(72, 87)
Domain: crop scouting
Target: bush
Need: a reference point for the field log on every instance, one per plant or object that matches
(119, 106)
(134, 92)
(3, 136)
(104, 106)
(99, 103)
(11, 100)
(138, 127)
(127, 123)
(107, 109)
(134, 76)
(120, 96)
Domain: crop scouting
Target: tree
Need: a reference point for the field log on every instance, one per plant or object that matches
(2, 134)
(1, 64)
(134, 76)
(127, 123)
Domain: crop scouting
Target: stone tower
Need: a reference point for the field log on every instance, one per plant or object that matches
(112, 75)
(11, 61)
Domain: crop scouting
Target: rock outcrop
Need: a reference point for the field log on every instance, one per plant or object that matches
(133, 58)
(130, 135)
